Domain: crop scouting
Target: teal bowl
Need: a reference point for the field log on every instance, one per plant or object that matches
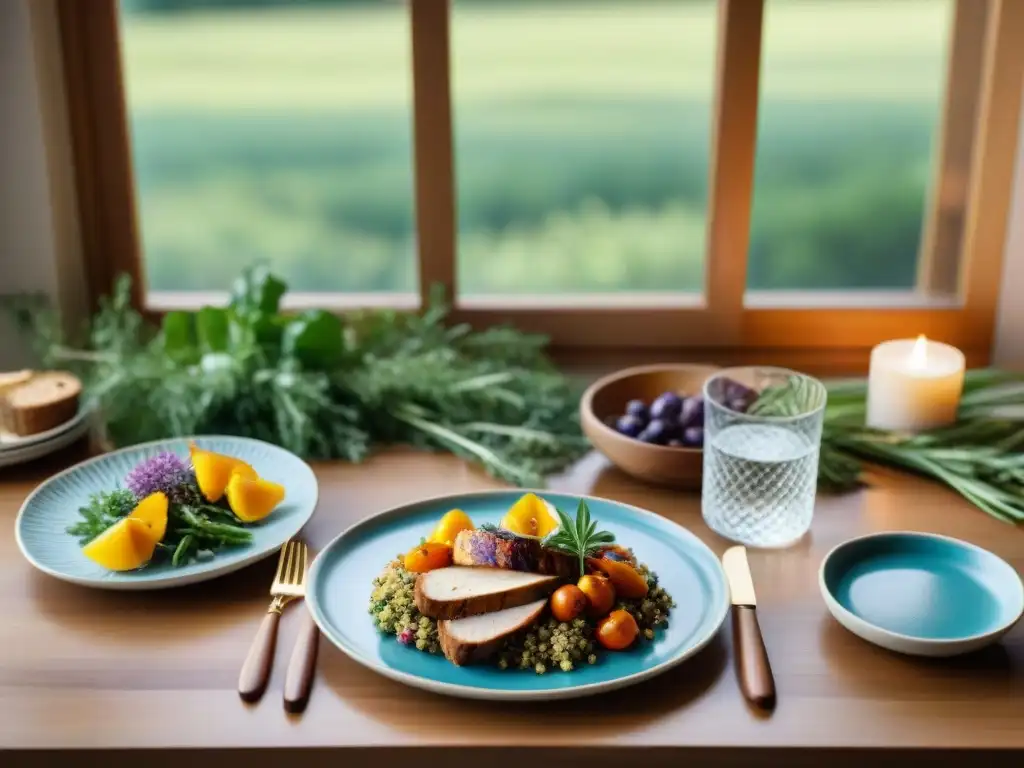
(921, 594)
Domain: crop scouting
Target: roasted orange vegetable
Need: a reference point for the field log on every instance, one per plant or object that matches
(152, 510)
(126, 545)
(448, 528)
(529, 516)
(568, 602)
(214, 470)
(624, 577)
(617, 631)
(600, 594)
(252, 499)
(616, 552)
(427, 557)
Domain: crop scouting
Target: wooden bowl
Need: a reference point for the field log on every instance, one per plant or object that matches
(606, 399)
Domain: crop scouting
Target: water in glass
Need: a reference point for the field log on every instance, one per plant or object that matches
(760, 475)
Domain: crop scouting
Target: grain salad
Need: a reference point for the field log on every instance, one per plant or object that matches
(546, 645)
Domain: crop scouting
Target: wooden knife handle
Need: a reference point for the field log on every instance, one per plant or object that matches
(300, 669)
(256, 669)
(752, 667)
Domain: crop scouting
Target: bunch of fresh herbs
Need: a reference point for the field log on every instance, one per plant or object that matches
(325, 386)
(979, 457)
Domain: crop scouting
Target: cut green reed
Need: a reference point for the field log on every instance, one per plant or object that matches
(978, 456)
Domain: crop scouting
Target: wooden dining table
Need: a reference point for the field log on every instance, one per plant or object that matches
(149, 679)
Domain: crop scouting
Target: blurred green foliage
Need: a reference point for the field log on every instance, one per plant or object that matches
(602, 193)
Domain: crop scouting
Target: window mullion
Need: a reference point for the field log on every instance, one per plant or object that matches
(988, 203)
(939, 263)
(432, 120)
(734, 140)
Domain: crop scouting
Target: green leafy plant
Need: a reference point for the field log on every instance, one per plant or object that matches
(325, 386)
(580, 537)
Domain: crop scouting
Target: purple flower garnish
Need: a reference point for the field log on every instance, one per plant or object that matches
(405, 637)
(164, 472)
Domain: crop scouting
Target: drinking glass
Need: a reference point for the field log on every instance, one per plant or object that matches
(762, 437)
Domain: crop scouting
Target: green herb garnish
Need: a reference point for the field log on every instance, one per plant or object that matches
(579, 538)
(103, 510)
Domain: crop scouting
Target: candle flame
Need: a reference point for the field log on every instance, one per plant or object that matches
(919, 354)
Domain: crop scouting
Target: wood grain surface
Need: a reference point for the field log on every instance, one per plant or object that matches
(119, 672)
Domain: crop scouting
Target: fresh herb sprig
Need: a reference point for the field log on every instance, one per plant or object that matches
(580, 537)
(979, 457)
(103, 510)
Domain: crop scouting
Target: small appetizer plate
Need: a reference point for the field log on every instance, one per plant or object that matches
(920, 593)
(340, 583)
(53, 506)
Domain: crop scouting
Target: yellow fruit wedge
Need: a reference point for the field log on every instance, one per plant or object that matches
(126, 545)
(152, 510)
(529, 516)
(449, 526)
(214, 470)
(252, 499)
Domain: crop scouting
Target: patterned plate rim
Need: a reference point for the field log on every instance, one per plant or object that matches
(498, 694)
(171, 580)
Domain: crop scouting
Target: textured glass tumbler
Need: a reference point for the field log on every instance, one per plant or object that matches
(762, 438)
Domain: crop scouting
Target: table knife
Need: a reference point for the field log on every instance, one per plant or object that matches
(752, 667)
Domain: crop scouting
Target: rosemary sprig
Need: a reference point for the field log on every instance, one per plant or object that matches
(580, 537)
(978, 457)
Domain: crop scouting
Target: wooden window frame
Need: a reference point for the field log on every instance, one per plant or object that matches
(975, 159)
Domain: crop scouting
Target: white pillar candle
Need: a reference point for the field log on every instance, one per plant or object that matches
(914, 385)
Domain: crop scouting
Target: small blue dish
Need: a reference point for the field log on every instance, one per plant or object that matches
(920, 593)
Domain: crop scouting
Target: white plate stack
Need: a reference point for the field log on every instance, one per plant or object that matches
(51, 413)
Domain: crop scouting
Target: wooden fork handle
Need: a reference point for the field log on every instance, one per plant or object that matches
(256, 669)
(300, 669)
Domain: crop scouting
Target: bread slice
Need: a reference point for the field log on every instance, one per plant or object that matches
(41, 402)
(502, 549)
(453, 593)
(477, 638)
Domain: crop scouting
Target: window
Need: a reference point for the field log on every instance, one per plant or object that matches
(795, 179)
(271, 132)
(581, 146)
(850, 102)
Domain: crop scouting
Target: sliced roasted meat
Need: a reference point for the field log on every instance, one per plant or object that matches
(455, 592)
(502, 549)
(477, 638)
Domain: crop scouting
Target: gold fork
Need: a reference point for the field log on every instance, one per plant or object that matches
(289, 584)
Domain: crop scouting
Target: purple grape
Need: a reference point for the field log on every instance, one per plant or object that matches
(738, 405)
(655, 432)
(666, 406)
(692, 414)
(693, 437)
(736, 392)
(630, 426)
(637, 408)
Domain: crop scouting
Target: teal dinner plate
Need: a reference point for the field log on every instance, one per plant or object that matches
(920, 593)
(53, 506)
(340, 583)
